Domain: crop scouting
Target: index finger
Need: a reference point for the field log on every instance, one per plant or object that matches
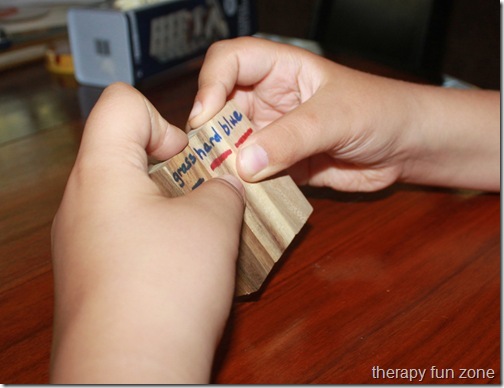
(241, 61)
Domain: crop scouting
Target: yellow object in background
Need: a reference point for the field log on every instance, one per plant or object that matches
(59, 63)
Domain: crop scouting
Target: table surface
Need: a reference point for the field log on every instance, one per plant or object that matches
(405, 278)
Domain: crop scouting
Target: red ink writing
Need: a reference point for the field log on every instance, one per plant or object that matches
(198, 183)
(243, 137)
(220, 159)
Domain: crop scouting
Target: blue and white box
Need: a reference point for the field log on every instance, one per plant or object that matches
(110, 44)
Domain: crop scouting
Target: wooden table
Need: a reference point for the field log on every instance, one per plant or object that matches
(405, 278)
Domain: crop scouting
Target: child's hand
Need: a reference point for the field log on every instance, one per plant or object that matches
(311, 112)
(143, 283)
(337, 127)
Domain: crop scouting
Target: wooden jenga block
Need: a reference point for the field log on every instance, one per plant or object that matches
(275, 208)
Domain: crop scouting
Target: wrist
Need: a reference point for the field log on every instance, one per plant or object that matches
(454, 139)
(126, 336)
(390, 119)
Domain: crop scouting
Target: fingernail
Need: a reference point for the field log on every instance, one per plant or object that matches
(252, 160)
(235, 182)
(196, 110)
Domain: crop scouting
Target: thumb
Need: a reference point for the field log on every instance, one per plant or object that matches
(224, 199)
(293, 137)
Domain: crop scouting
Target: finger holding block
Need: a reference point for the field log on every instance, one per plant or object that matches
(275, 210)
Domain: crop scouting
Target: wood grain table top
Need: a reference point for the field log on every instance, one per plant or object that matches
(377, 288)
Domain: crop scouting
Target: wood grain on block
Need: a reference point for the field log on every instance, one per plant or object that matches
(275, 211)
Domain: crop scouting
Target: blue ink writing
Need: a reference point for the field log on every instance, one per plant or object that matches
(198, 183)
(220, 159)
(183, 169)
(230, 122)
(207, 146)
(243, 137)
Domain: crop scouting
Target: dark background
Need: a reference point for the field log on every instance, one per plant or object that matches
(466, 44)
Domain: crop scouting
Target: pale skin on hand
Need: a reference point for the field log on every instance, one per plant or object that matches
(139, 299)
(333, 126)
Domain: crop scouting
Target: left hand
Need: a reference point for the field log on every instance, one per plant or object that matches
(143, 283)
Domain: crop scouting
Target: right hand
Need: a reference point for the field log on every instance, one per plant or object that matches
(333, 126)
(309, 112)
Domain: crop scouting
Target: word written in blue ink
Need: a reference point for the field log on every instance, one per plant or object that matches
(225, 126)
(184, 168)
